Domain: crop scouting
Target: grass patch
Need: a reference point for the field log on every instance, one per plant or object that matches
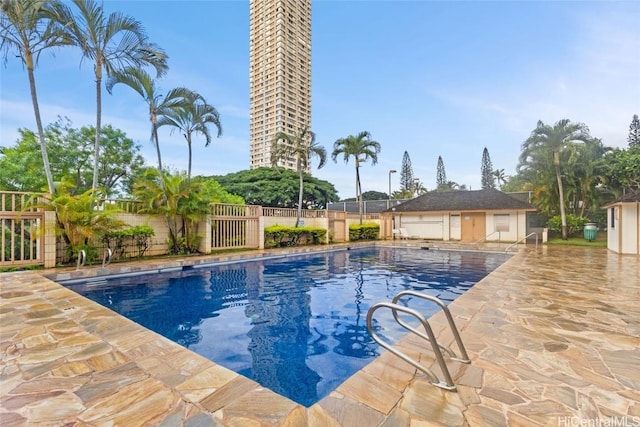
(578, 241)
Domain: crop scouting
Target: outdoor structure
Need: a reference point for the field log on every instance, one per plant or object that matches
(279, 74)
(466, 216)
(623, 224)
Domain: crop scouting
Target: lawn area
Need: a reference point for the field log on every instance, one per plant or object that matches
(600, 242)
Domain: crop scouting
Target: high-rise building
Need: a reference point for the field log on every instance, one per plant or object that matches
(279, 74)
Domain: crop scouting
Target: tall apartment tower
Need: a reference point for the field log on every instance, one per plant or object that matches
(279, 74)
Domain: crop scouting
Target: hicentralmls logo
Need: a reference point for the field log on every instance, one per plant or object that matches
(599, 422)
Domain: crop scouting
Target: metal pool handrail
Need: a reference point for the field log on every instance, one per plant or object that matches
(448, 383)
(106, 258)
(464, 357)
(523, 239)
(82, 258)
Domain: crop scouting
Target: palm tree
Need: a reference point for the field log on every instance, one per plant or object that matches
(164, 198)
(113, 43)
(141, 81)
(26, 28)
(500, 177)
(586, 172)
(418, 188)
(362, 148)
(301, 147)
(545, 144)
(192, 115)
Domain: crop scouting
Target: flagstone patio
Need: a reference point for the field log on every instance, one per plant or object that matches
(553, 335)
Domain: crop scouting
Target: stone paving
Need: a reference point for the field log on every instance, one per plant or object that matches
(553, 336)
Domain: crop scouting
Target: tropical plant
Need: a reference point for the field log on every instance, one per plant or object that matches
(25, 27)
(165, 199)
(300, 148)
(500, 177)
(362, 148)
(144, 84)
(114, 42)
(488, 180)
(545, 145)
(184, 203)
(81, 219)
(584, 175)
(191, 116)
(418, 188)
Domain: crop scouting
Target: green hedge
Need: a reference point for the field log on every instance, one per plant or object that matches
(119, 241)
(277, 236)
(365, 231)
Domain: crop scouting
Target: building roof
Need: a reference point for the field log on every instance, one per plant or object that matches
(631, 197)
(464, 201)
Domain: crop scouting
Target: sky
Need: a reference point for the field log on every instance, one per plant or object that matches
(432, 78)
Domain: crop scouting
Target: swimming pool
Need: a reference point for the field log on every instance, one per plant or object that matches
(295, 324)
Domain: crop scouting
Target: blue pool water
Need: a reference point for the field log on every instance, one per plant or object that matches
(295, 324)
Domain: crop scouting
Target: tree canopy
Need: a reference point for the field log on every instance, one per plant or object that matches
(278, 187)
(71, 159)
(369, 195)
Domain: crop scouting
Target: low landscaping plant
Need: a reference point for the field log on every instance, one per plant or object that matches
(81, 219)
(575, 224)
(365, 231)
(277, 236)
(120, 241)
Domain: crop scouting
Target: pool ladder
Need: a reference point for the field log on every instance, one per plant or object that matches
(82, 258)
(448, 383)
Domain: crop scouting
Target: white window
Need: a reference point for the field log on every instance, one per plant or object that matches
(501, 222)
(614, 216)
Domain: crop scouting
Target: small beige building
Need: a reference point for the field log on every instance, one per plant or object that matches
(623, 224)
(466, 216)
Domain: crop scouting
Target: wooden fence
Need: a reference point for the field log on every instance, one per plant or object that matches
(22, 230)
(235, 226)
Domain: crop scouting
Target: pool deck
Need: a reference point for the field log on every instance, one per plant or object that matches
(553, 335)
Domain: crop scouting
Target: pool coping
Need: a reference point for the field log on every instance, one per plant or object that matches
(66, 359)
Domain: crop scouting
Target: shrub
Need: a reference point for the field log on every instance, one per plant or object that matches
(119, 240)
(81, 219)
(365, 231)
(575, 224)
(277, 236)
